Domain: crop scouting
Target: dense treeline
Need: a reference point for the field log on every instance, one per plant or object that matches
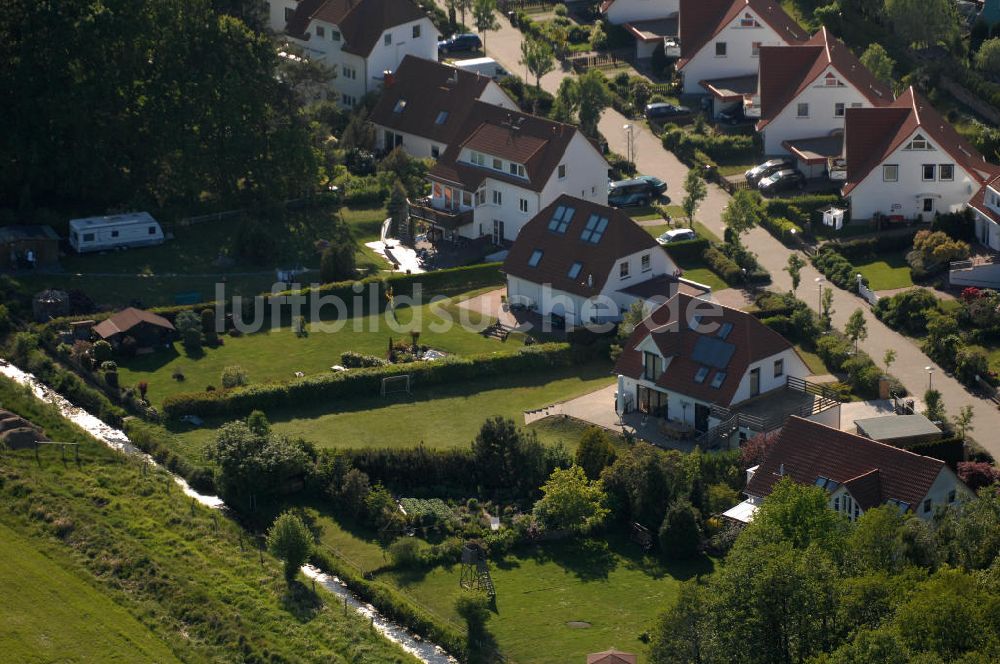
(802, 584)
(121, 103)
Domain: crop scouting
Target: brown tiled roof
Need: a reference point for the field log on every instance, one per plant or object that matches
(361, 22)
(536, 142)
(126, 319)
(872, 134)
(978, 201)
(428, 88)
(731, 87)
(612, 657)
(671, 328)
(701, 20)
(806, 450)
(785, 71)
(560, 251)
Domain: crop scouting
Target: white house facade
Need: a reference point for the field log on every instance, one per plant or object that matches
(361, 40)
(905, 161)
(722, 38)
(806, 89)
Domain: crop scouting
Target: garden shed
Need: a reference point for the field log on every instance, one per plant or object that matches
(148, 329)
(28, 246)
(899, 430)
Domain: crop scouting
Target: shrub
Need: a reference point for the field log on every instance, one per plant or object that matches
(722, 265)
(102, 351)
(406, 552)
(680, 533)
(801, 209)
(932, 251)
(907, 311)
(836, 268)
(971, 361)
(353, 360)
(234, 376)
(290, 540)
(731, 148)
(779, 227)
(323, 387)
(688, 249)
(188, 326)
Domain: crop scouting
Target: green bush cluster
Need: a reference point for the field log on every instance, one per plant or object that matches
(780, 227)
(872, 246)
(836, 268)
(908, 311)
(801, 209)
(352, 360)
(722, 265)
(688, 249)
(723, 148)
(366, 381)
(837, 352)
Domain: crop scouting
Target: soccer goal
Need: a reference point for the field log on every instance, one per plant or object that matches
(396, 384)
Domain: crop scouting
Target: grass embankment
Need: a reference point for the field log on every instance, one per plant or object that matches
(187, 574)
(275, 355)
(155, 275)
(438, 416)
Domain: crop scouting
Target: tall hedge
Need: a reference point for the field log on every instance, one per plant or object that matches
(366, 381)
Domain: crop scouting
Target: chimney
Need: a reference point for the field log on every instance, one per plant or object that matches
(388, 78)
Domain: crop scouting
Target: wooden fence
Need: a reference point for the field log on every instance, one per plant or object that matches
(733, 184)
(523, 6)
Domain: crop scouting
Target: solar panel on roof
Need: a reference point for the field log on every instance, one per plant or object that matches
(713, 352)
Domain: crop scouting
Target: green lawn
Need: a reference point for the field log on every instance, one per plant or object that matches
(645, 213)
(190, 261)
(557, 429)
(190, 575)
(277, 354)
(52, 615)
(813, 361)
(886, 272)
(438, 416)
(734, 169)
(609, 585)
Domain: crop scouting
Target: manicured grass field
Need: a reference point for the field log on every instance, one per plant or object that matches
(609, 585)
(52, 615)
(567, 431)
(813, 361)
(646, 213)
(189, 262)
(886, 272)
(438, 416)
(277, 354)
(196, 581)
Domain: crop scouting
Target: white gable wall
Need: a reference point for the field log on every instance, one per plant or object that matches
(793, 366)
(944, 484)
(586, 174)
(629, 11)
(821, 120)
(739, 59)
(386, 57)
(906, 195)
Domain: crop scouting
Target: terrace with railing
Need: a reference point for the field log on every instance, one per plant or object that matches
(422, 210)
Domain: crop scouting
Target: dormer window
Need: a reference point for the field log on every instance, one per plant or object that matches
(516, 169)
(497, 164)
(400, 105)
(477, 158)
(441, 118)
(536, 258)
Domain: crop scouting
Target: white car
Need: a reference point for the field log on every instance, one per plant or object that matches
(677, 235)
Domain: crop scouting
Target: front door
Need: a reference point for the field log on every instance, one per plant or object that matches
(497, 232)
(701, 413)
(755, 382)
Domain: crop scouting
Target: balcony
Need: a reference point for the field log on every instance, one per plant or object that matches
(422, 210)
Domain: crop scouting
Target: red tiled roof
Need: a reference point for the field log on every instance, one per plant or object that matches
(874, 472)
(786, 71)
(700, 20)
(126, 319)
(536, 142)
(872, 134)
(560, 251)
(671, 328)
(978, 201)
(428, 88)
(361, 22)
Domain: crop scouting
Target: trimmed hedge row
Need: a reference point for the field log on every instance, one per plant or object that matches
(836, 268)
(734, 148)
(872, 246)
(723, 265)
(688, 249)
(325, 387)
(780, 227)
(800, 209)
(439, 282)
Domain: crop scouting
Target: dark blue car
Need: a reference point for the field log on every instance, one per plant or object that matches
(457, 43)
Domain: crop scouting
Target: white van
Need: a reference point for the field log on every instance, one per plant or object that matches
(485, 66)
(134, 229)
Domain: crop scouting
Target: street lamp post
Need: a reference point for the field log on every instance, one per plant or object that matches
(819, 288)
(930, 377)
(629, 142)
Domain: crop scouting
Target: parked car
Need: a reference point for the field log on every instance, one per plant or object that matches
(464, 42)
(677, 235)
(784, 179)
(635, 192)
(733, 116)
(658, 186)
(761, 171)
(664, 111)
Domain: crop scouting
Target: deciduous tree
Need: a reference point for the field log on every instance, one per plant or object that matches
(571, 502)
(538, 57)
(290, 540)
(695, 192)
